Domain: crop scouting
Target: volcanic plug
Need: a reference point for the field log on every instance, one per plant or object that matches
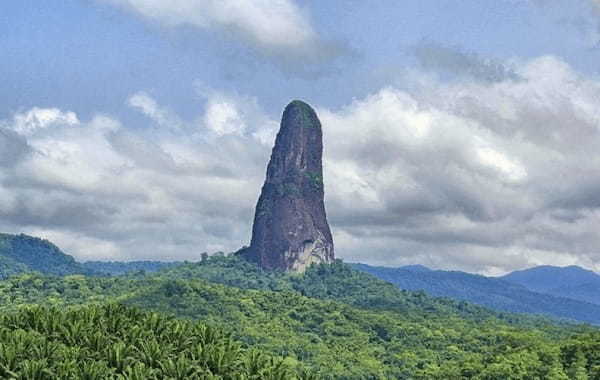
(290, 229)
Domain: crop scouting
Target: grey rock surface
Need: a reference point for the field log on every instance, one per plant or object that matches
(290, 229)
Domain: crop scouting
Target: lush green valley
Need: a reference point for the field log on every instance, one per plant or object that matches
(333, 320)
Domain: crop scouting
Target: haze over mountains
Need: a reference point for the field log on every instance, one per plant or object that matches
(495, 293)
(571, 282)
(567, 282)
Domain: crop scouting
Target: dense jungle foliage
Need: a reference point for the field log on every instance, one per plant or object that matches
(116, 268)
(335, 321)
(116, 342)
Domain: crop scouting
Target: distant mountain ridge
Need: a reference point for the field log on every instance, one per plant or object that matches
(495, 293)
(545, 278)
(572, 282)
(416, 268)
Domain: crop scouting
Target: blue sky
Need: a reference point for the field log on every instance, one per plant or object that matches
(90, 55)
(97, 89)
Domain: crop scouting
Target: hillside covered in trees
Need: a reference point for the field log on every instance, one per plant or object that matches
(572, 282)
(23, 253)
(331, 322)
(496, 293)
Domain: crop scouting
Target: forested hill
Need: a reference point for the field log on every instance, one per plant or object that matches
(22, 253)
(333, 320)
(571, 282)
(546, 278)
(116, 268)
(337, 282)
(490, 292)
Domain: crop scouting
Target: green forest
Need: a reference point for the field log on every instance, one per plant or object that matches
(225, 318)
(119, 342)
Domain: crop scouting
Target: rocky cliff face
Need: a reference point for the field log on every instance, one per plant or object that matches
(290, 228)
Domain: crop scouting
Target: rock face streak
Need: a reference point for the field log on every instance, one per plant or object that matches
(290, 228)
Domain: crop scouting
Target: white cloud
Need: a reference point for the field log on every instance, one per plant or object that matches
(149, 107)
(513, 170)
(472, 175)
(86, 248)
(39, 118)
(232, 114)
(223, 118)
(266, 133)
(484, 177)
(101, 190)
(272, 26)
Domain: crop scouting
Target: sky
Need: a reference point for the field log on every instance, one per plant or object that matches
(458, 134)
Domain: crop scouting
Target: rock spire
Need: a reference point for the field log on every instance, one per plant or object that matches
(290, 228)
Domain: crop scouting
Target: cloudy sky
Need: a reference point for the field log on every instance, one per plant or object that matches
(459, 134)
